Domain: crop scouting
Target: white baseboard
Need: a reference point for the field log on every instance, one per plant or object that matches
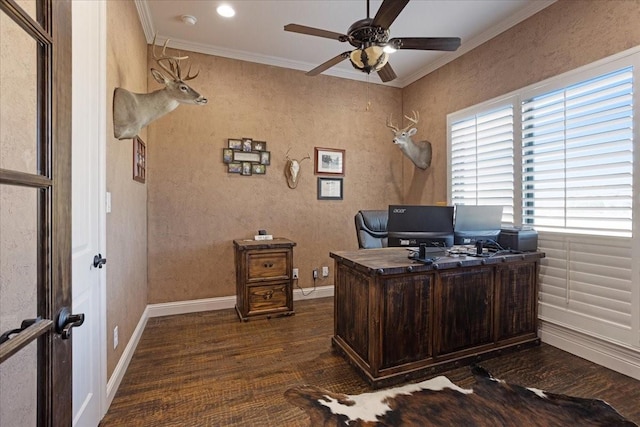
(616, 357)
(310, 293)
(118, 373)
(191, 306)
(221, 303)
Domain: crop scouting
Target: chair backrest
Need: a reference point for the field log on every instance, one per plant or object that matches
(371, 228)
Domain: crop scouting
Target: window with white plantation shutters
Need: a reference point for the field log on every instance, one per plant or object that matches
(571, 178)
(577, 157)
(482, 161)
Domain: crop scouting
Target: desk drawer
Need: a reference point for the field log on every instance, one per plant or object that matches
(267, 265)
(267, 298)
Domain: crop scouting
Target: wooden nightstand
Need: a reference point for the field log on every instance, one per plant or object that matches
(264, 278)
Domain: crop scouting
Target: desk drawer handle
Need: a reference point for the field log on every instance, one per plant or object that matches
(268, 264)
(268, 295)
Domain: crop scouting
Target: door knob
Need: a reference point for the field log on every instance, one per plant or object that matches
(66, 321)
(98, 261)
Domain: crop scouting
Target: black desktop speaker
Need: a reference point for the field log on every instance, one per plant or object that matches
(518, 239)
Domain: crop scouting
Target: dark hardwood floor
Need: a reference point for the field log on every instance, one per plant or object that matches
(209, 369)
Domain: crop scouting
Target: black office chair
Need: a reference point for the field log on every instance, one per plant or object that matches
(371, 228)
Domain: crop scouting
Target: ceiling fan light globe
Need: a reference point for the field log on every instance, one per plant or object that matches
(389, 48)
(371, 58)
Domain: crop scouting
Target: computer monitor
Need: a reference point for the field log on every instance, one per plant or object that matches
(473, 223)
(411, 225)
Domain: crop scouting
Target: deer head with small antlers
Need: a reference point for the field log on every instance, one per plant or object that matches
(418, 152)
(133, 111)
(292, 169)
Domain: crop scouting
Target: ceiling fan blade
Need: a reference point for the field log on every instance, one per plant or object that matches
(295, 28)
(386, 73)
(328, 64)
(426, 43)
(388, 12)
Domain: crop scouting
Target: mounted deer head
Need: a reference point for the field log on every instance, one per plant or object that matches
(133, 111)
(292, 169)
(418, 152)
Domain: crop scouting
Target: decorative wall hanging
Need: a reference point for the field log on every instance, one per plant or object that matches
(133, 111)
(418, 152)
(139, 160)
(292, 169)
(246, 156)
(329, 161)
(329, 188)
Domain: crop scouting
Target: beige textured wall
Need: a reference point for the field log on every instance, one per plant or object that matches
(560, 38)
(196, 209)
(127, 222)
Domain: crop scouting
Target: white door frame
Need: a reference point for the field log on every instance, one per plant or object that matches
(102, 209)
(98, 136)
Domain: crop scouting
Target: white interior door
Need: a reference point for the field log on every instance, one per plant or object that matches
(88, 96)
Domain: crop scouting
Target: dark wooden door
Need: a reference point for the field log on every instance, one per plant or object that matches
(516, 285)
(406, 319)
(35, 201)
(458, 328)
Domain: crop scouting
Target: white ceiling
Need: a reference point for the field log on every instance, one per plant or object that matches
(256, 32)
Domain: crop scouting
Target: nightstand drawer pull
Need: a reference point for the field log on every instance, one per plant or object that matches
(268, 264)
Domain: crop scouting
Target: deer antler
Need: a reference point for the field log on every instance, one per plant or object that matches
(391, 125)
(413, 120)
(286, 156)
(174, 62)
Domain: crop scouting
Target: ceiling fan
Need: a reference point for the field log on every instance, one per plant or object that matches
(370, 37)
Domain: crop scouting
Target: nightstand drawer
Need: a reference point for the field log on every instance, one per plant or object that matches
(264, 282)
(267, 265)
(270, 297)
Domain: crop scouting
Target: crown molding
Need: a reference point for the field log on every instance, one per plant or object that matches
(145, 19)
(149, 31)
(266, 60)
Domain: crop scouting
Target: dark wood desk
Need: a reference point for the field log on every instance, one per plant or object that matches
(396, 320)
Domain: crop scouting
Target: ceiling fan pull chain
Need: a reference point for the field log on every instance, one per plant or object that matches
(368, 97)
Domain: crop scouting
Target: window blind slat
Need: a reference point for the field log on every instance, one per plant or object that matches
(577, 156)
(482, 160)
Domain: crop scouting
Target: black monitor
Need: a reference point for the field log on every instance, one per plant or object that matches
(411, 225)
(474, 223)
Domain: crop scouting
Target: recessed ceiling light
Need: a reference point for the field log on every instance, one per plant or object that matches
(189, 19)
(225, 10)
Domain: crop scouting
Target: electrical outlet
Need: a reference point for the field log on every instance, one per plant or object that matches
(108, 202)
(325, 271)
(315, 273)
(295, 273)
(115, 337)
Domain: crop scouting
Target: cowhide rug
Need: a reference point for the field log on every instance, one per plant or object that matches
(439, 402)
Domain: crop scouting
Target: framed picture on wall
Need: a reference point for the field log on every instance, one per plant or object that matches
(247, 144)
(246, 168)
(246, 156)
(265, 158)
(234, 168)
(234, 144)
(329, 188)
(227, 155)
(258, 169)
(258, 146)
(329, 161)
(139, 160)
